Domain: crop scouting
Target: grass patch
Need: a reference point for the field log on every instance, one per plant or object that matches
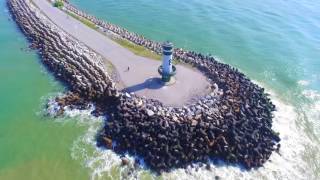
(109, 67)
(84, 21)
(140, 50)
(58, 4)
(136, 49)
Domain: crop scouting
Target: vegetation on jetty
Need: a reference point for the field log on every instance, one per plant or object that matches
(136, 49)
(58, 4)
(142, 51)
(232, 123)
(83, 20)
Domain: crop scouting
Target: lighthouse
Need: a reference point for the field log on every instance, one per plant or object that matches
(167, 70)
(167, 57)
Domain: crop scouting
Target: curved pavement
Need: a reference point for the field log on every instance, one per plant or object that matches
(142, 78)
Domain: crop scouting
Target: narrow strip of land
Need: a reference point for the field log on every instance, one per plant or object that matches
(138, 74)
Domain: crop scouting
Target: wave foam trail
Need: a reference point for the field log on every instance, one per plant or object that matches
(288, 164)
(303, 82)
(102, 163)
(312, 114)
(313, 111)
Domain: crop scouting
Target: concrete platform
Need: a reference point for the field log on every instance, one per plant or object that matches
(143, 77)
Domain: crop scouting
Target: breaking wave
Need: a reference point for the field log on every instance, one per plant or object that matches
(288, 164)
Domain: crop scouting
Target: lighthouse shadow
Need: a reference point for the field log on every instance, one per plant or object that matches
(151, 83)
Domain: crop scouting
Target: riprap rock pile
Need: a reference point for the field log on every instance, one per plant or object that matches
(233, 123)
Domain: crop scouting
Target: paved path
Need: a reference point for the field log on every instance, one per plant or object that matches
(142, 78)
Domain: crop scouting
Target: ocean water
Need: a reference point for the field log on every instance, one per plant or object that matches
(275, 43)
(32, 146)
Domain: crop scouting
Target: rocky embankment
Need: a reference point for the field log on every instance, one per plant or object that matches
(71, 61)
(233, 123)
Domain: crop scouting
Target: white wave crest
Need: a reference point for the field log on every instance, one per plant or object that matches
(303, 82)
(312, 94)
(289, 164)
(313, 109)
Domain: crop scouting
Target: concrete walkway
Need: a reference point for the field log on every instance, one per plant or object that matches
(142, 78)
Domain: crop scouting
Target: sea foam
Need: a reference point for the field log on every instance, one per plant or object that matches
(288, 164)
(303, 82)
(313, 110)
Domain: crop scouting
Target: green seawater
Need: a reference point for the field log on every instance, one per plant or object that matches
(275, 43)
(32, 146)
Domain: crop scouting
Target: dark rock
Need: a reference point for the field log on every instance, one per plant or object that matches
(233, 124)
(108, 142)
(208, 166)
(124, 161)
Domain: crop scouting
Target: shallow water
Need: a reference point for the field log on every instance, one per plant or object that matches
(32, 146)
(275, 43)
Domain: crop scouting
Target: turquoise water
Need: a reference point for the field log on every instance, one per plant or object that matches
(32, 146)
(275, 43)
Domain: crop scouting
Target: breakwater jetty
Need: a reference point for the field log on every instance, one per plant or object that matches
(233, 122)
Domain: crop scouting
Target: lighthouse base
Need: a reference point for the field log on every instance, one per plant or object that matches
(169, 82)
(167, 78)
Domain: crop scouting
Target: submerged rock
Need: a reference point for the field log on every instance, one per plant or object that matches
(108, 142)
(124, 161)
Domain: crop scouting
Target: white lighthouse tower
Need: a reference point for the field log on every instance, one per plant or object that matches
(167, 69)
(167, 57)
